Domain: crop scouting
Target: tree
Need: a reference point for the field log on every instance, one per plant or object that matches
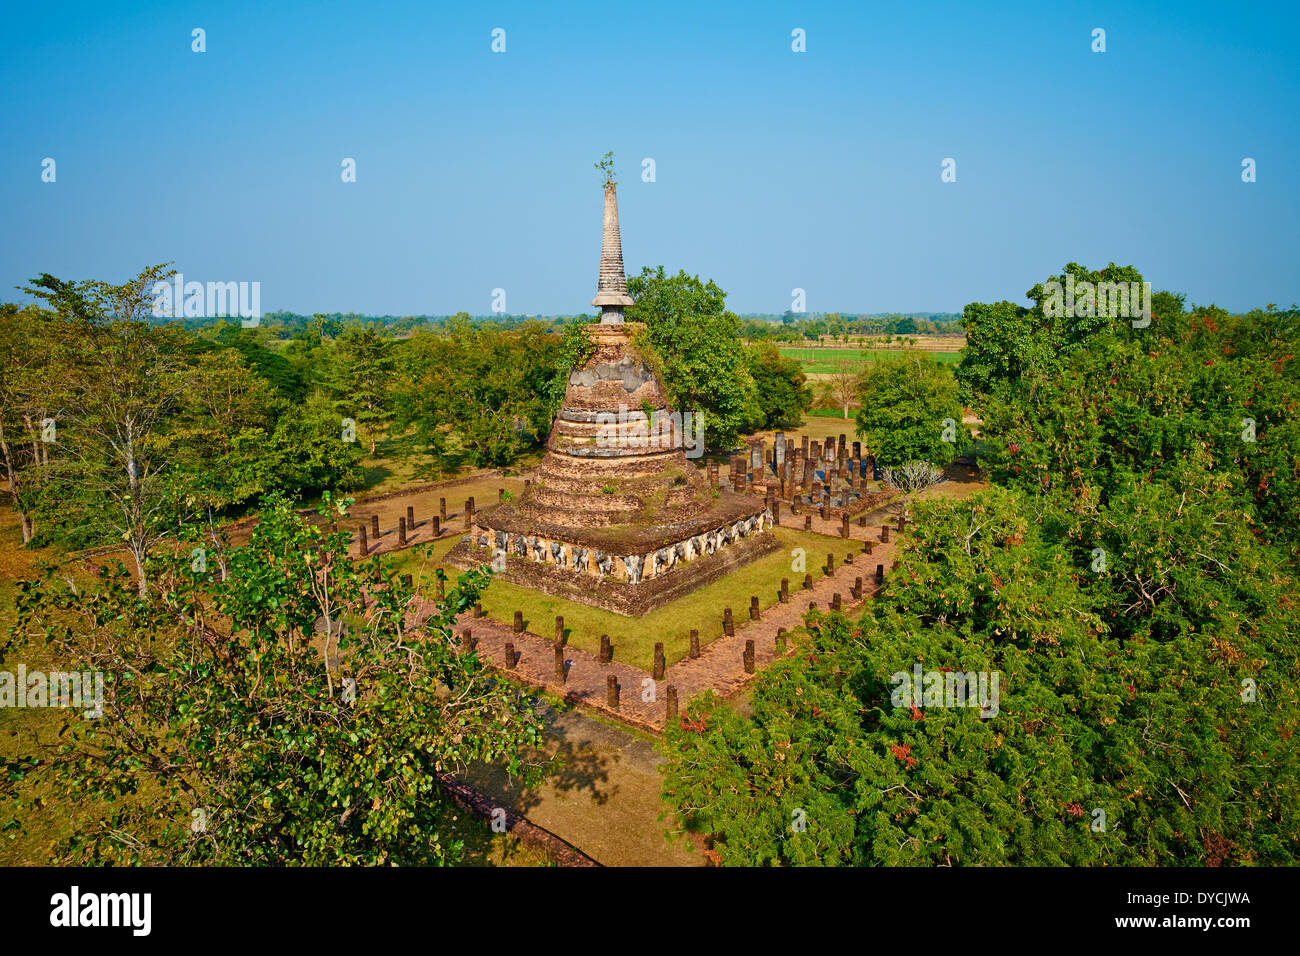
(303, 454)
(846, 384)
(1130, 578)
(910, 411)
(606, 169)
(362, 379)
(836, 327)
(117, 430)
(222, 397)
(912, 477)
(1115, 739)
(26, 393)
(489, 389)
(120, 378)
(693, 341)
(1072, 330)
(299, 713)
(781, 394)
(309, 353)
(266, 362)
(1002, 341)
(1216, 399)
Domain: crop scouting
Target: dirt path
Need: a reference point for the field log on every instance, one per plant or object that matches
(605, 799)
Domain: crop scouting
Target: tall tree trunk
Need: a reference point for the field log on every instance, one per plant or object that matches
(36, 441)
(142, 582)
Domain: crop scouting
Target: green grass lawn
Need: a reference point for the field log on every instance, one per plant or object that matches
(825, 361)
(634, 638)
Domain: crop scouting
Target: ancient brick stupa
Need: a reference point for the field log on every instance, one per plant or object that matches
(616, 515)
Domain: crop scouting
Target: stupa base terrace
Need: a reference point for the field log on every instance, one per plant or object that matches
(627, 569)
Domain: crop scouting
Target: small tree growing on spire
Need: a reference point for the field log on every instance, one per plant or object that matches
(606, 166)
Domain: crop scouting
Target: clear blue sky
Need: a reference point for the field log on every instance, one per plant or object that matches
(775, 169)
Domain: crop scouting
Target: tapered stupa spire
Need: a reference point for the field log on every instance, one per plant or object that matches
(611, 290)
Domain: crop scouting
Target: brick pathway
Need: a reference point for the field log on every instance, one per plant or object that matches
(719, 667)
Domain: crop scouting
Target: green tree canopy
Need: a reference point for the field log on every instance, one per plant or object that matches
(696, 345)
(781, 394)
(910, 411)
(1004, 340)
(1131, 578)
(295, 713)
(361, 379)
(1101, 707)
(486, 391)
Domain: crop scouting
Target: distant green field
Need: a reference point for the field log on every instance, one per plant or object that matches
(822, 361)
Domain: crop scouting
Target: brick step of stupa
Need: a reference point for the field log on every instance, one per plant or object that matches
(595, 470)
(600, 509)
(610, 425)
(663, 499)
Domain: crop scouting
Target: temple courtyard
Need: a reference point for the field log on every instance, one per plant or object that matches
(526, 619)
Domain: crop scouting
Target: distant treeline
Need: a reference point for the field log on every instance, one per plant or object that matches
(798, 327)
(790, 327)
(789, 317)
(284, 325)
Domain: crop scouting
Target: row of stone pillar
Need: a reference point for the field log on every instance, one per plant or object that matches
(607, 651)
(407, 524)
(790, 479)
